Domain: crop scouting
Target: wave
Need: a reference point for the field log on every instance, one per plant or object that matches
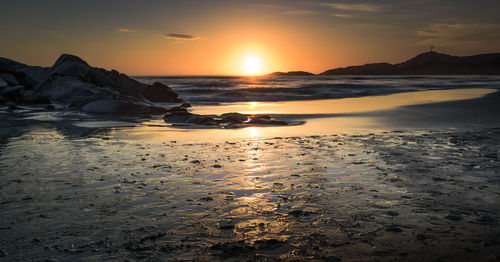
(203, 89)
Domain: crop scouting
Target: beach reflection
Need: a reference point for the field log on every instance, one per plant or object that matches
(345, 105)
(152, 190)
(253, 131)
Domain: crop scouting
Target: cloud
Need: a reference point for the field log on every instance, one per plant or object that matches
(353, 7)
(299, 12)
(125, 30)
(460, 35)
(342, 15)
(177, 36)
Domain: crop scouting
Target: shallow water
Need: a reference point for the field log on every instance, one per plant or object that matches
(344, 105)
(339, 187)
(386, 195)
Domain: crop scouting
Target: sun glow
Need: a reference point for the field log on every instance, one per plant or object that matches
(252, 65)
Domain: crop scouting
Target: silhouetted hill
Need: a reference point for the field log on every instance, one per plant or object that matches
(291, 73)
(429, 63)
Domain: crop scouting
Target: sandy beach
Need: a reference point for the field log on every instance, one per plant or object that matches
(266, 130)
(405, 190)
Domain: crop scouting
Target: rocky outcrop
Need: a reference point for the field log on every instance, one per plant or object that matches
(266, 120)
(429, 63)
(179, 116)
(119, 107)
(77, 85)
(159, 92)
(291, 73)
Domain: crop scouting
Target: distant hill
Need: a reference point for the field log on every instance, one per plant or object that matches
(429, 63)
(291, 73)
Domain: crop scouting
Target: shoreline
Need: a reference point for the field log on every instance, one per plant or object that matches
(378, 191)
(442, 115)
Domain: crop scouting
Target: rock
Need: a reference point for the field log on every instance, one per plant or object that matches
(185, 105)
(70, 65)
(130, 87)
(266, 120)
(262, 117)
(180, 116)
(74, 83)
(3, 83)
(101, 77)
(159, 92)
(11, 89)
(72, 92)
(178, 111)
(10, 66)
(9, 79)
(96, 81)
(3, 253)
(235, 118)
(12, 93)
(31, 76)
(191, 119)
(30, 97)
(118, 107)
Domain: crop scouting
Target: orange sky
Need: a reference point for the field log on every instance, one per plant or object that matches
(215, 37)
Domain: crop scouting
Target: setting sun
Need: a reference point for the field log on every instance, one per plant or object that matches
(252, 65)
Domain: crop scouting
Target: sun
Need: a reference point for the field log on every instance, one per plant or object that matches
(252, 65)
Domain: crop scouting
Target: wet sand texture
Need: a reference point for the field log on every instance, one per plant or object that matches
(418, 196)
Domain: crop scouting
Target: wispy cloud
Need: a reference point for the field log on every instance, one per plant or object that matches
(353, 7)
(177, 36)
(125, 30)
(342, 15)
(299, 12)
(460, 35)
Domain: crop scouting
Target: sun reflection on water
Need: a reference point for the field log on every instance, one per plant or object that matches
(253, 105)
(253, 132)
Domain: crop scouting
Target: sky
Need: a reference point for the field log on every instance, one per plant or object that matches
(231, 37)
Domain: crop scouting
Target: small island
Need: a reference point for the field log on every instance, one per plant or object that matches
(291, 73)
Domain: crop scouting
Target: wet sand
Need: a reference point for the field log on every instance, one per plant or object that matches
(411, 192)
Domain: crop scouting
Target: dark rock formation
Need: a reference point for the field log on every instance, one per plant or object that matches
(180, 116)
(266, 120)
(291, 73)
(77, 85)
(119, 107)
(235, 118)
(429, 63)
(159, 92)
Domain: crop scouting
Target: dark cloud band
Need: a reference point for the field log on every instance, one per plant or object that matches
(181, 36)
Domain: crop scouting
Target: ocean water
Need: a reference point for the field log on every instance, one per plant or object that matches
(217, 89)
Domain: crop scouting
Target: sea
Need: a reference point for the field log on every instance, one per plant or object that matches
(225, 89)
